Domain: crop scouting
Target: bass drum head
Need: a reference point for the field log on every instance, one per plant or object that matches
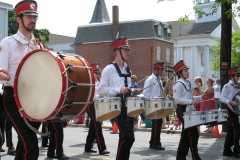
(39, 85)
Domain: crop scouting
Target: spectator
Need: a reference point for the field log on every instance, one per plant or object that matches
(217, 92)
(176, 124)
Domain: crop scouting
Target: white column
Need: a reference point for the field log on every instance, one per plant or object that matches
(207, 68)
(179, 55)
(193, 71)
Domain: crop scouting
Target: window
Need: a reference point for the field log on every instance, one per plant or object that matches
(168, 54)
(159, 30)
(168, 33)
(159, 52)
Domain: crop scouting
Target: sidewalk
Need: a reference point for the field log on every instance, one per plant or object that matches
(108, 125)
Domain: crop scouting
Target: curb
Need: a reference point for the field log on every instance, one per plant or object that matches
(222, 134)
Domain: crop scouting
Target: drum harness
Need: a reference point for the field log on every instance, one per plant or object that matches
(186, 90)
(122, 96)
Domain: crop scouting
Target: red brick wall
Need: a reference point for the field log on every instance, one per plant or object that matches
(143, 55)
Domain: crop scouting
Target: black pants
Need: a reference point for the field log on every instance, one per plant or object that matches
(44, 138)
(126, 135)
(189, 138)
(156, 131)
(9, 133)
(56, 138)
(95, 131)
(2, 128)
(27, 146)
(232, 137)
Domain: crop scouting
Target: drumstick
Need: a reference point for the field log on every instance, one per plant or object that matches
(206, 100)
(148, 86)
(142, 79)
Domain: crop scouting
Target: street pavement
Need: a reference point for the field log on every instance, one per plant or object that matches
(75, 137)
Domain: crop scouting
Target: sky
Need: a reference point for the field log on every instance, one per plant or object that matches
(63, 17)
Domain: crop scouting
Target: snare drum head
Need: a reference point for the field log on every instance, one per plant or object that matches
(38, 92)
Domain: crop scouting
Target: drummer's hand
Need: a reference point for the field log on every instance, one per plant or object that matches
(194, 102)
(124, 90)
(137, 90)
(4, 75)
(233, 103)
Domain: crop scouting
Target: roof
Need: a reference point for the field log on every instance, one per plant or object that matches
(6, 4)
(100, 13)
(193, 28)
(59, 39)
(102, 32)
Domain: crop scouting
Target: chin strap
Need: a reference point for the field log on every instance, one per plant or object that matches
(121, 54)
(21, 16)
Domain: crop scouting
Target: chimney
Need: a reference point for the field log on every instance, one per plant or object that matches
(115, 22)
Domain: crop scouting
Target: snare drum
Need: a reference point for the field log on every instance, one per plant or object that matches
(135, 106)
(211, 116)
(51, 86)
(194, 118)
(107, 108)
(222, 115)
(168, 105)
(154, 107)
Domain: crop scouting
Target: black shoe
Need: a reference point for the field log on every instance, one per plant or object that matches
(227, 152)
(90, 150)
(62, 156)
(104, 152)
(157, 147)
(2, 150)
(11, 151)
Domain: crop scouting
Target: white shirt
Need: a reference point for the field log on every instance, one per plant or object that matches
(1, 91)
(228, 92)
(154, 90)
(12, 53)
(96, 95)
(182, 95)
(217, 91)
(111, 83)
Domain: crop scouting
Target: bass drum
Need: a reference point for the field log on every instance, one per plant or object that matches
(53, 86)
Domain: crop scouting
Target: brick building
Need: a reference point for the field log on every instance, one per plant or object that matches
(150, 41)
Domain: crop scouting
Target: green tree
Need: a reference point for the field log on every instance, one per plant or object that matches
(42, 35)
(235, 51)
(12, 23)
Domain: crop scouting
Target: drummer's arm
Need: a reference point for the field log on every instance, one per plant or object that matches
(224, 96)
(177, 95)
(104, 89)
(4, 57)
(146, 92)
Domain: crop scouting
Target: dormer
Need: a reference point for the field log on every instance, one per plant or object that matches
(167, 29)
(159, 28)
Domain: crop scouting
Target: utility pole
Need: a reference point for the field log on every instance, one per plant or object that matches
(225, 51)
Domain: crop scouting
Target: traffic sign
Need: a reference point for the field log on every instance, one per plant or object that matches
(169, 69)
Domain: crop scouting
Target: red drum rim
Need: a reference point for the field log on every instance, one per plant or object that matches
(64, 87)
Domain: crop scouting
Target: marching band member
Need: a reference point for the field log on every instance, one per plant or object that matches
(153, 92)
(12, 50)
(182, 94)
(229, 90)
(95, 128)
(116, 82)
(55, 149)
